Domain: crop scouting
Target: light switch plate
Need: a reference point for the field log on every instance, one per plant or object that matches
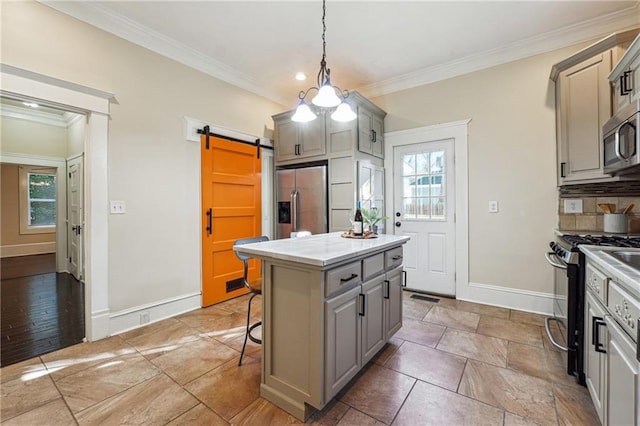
(493, 207)
(117, 207)
(573, 205)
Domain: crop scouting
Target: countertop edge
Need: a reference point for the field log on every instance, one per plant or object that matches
(389, 241)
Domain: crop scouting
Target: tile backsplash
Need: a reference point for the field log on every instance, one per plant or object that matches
(592, 217)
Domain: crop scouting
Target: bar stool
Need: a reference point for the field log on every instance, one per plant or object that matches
(255, 288)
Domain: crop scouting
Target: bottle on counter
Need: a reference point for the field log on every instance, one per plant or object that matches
(357, 221)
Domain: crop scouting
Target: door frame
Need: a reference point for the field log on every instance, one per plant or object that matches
(458, 131)
(24, 84)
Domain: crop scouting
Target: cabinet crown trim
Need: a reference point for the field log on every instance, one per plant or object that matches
(592, 50)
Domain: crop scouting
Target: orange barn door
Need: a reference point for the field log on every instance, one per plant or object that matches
(230, 210)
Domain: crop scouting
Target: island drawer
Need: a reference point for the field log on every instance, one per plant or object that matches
(372, 266)
(342, 277)
(393, 258)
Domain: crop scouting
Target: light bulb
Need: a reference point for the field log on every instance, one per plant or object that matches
(303, 113)
(343, 113)
(326, 97)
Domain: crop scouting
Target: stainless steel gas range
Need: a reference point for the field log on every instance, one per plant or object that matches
(569, 293)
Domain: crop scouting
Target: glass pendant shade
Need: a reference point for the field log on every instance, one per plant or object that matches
(303, 113)
(326, 97)
(343, 113)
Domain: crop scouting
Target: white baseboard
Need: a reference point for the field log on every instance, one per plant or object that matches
(130, 319)
(523, 300)
(27, 249)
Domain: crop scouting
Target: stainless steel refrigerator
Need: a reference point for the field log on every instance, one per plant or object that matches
(301, 195)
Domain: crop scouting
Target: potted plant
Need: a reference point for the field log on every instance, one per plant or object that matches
(371, 218)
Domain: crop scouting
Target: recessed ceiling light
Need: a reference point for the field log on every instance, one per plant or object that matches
(300, 76)
(31, 104)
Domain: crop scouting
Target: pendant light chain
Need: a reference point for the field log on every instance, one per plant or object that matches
(330, 98)
(323, 63)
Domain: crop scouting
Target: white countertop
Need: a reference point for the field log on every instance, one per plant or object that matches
(622, 273)
(321, 249)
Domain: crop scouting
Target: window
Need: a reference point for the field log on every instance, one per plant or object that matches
(37, 200)
(423, 177)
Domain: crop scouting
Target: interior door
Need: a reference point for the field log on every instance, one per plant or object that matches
(75, 225)
(231, 209)
(423, 182)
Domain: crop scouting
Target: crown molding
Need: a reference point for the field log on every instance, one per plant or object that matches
(65, 120)
(578, 33)
(146, 37)
(134, 32)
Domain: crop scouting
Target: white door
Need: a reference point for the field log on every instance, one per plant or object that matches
(423, 182)
(75, 226)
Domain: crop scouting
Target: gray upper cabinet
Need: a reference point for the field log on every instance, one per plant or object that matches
(625, 77)
(298, 141)
(324, 138)
(584, 102)
(371, 130)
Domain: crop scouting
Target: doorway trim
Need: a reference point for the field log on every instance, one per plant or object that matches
(458, 131)
(17, 82)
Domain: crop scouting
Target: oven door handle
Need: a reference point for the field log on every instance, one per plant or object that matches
(551, 339)
(552, 263)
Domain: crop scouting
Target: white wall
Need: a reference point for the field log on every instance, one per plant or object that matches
(154, 249)
(511, 159)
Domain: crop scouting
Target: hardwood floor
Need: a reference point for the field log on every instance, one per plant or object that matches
(42, 311)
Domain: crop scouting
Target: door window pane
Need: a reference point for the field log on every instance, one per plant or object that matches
(424, 185)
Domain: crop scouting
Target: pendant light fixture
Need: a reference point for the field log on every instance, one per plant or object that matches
(329, 97)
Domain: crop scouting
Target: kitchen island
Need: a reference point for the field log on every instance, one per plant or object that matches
(329, 304)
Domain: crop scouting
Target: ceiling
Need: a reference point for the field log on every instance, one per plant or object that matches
(375, 47)
(41, 113)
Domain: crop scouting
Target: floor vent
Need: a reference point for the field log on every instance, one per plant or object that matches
(234, 285)
(425, 298)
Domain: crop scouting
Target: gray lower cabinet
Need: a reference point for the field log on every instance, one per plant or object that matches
(594, 360)
(358, 323)
(622, 377)
(343, 328)
(393, 302)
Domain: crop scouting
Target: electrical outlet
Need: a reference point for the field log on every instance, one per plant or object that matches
(493, 207)
(117, 207)
(573, 206)
(144, 317)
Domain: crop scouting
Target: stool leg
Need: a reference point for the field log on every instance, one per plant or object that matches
(246, 334)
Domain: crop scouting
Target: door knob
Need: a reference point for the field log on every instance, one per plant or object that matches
(398, 224)
(397, 214)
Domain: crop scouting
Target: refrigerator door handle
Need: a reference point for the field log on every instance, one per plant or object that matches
(294, 211)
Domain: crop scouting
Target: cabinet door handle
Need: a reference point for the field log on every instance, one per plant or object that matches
(626, 84)
(596, 322)
(388, 284)
(209, 221)
(398, 257)
(361, 313)
(344, 280)
(405, 278)
(296, 149)
(562, 166)
(373, 135)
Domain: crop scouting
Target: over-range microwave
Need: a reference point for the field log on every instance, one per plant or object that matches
(622, 141)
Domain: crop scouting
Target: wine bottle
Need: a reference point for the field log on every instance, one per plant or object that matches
(357, 221)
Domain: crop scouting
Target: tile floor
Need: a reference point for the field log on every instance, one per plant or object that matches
(452, 363)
